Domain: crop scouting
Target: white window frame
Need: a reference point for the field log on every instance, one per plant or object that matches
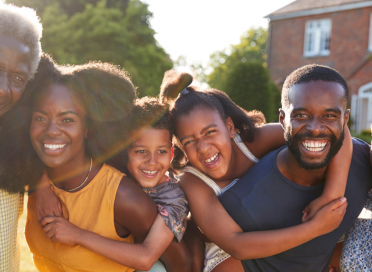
(370, 34)
(317, 36)
(365, 92)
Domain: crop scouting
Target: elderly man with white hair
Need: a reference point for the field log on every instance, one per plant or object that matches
(20, 51)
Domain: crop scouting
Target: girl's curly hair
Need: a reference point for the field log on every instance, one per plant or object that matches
(148, 112)
(107, 95)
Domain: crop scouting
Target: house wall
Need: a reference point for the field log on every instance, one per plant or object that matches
(348, 46)
(361, 77)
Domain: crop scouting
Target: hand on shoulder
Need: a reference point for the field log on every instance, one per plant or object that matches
(330, 216)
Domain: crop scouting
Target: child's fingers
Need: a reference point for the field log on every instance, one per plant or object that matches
(307, 209)
(48, 220)
(308, 217)
(50, 233)
(342, 208)
(48, 227)
(54, 239)
(335, 204)
(304, 216)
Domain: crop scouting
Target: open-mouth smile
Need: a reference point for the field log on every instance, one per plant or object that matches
(212, 161)
(54, 146)
(314, 146)
(150, 174)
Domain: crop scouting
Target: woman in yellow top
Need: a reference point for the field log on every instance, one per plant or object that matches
(73, 130)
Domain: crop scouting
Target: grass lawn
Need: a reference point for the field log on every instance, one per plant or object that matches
(27, 264)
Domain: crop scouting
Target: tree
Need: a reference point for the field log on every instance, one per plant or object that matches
(70, 7)
(252, 47)
(248, 84)
(105, 31)
(241, 72)
(277, 102)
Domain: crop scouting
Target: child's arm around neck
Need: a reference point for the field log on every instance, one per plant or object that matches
(221, 229)
(136, 212)
(336, 178)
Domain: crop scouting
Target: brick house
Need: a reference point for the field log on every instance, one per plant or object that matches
(337, 33)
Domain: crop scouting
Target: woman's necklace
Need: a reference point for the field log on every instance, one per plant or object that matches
(90, 168)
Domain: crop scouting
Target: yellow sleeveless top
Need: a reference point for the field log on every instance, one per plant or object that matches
(91, 208)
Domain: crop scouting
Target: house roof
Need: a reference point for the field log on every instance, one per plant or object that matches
(302, 7)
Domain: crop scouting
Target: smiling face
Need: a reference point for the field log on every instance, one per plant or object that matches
(149, 156)
(206, 140)
(58, 127)
(314, 122)
(14, 71)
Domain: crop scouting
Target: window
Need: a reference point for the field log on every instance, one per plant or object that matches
(317, 38)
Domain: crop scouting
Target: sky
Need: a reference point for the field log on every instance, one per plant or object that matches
(197, 28)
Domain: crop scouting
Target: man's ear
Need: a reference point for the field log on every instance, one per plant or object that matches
(230, 127)
(282, 117)
(346, 116)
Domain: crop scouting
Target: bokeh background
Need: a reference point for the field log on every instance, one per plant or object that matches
(221, 42)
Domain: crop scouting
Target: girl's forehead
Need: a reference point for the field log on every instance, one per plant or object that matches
(151, 135)
(197, 122)
(200, 115)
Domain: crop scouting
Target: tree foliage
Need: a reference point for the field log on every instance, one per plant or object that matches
(115, 31)
(241, 72)
(251, 49)
(70, 7)
(248, 84)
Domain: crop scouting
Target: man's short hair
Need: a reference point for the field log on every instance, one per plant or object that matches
(312, 72)
(24, 25)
